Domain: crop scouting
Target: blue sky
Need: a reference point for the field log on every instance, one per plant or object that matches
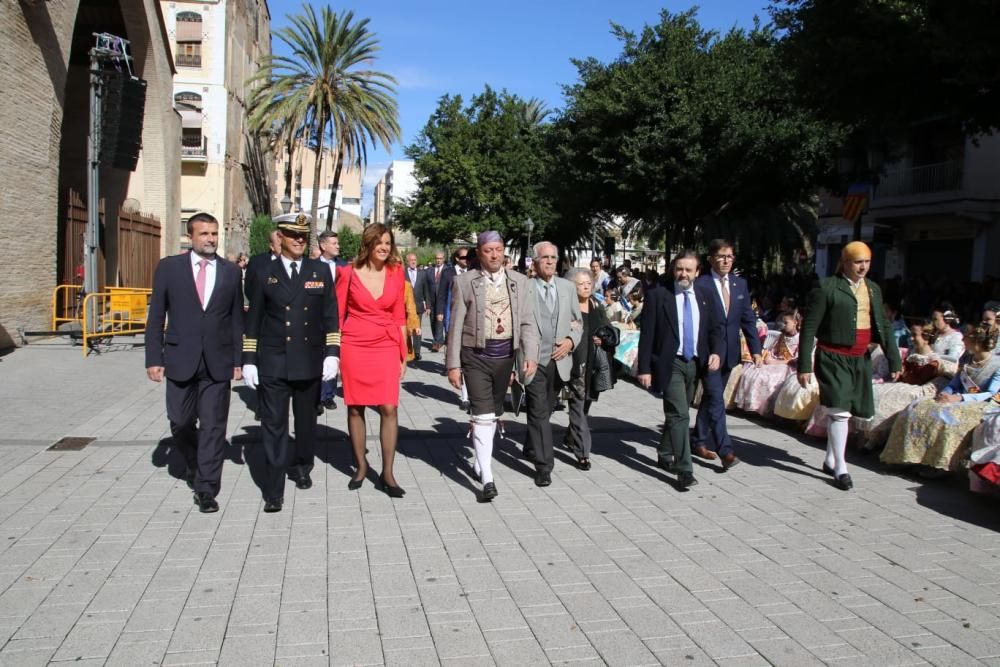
(438, 47)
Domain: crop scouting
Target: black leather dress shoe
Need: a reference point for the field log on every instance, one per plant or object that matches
(543, 479)
(844, 482)
(828, 470)
(389, 490)
(686, 479)
(273, 504)
(667, 464)
(489, 492)
(583, 464)
(330, 404)
(304, 481)
(206, 503)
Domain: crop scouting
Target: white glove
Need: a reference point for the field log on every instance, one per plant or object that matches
(250, 376)
(331, 366)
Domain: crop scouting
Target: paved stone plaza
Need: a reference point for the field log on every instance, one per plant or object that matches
(104, 559)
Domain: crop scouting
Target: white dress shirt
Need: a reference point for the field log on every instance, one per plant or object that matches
(332, 263)
(695, 316)
(209, 275)
(288, 265)
(718, 280)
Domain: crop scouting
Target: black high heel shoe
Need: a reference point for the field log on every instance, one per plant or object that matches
(355, 484)
(391, 491)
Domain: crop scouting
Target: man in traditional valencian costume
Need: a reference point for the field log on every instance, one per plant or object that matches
(491, 321)
(846, 317)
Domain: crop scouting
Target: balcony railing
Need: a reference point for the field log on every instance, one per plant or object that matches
(195, 153)
(188, 61)
(938, 177)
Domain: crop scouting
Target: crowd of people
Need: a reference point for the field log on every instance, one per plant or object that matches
(841, 358)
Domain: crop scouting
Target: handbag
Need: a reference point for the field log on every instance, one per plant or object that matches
(601, 379)
(610, 336)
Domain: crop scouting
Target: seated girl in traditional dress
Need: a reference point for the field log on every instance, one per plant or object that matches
(924, 375)
(984, 462)
(949, 343)
(932, 432)
(759, 386)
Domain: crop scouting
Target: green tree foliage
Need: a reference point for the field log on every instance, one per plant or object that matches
(325, 89)
(688, 135)
(350, 242)
(260, 234)
(877, 66)
(479, 166)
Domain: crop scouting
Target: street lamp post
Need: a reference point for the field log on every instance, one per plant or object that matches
(529, 225)
(286, 204)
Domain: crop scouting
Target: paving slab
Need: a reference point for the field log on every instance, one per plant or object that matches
(104, 559)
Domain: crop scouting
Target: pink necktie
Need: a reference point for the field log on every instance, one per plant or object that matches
(199, 281)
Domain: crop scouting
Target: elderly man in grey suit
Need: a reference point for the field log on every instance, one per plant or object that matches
(559, 326)
(491, 319)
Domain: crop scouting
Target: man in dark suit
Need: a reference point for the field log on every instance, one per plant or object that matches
(731, 302)
(198, 294)
(329, 248)
(459, 265)
(680, 339)
(418, 281)
(292, 342)
(257, 262)
(434, 274)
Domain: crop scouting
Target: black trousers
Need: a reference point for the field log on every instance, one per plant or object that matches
(280, 456)
(486, 380)
(198, 409)
(541, 396)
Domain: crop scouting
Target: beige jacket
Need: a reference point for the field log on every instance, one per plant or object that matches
(468, 314)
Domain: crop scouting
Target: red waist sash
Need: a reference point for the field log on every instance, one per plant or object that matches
(861, 342)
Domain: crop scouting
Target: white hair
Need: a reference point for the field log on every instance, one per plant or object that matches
(537, 248)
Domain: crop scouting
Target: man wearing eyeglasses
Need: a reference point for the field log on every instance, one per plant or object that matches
(559, 325)
(732, 305)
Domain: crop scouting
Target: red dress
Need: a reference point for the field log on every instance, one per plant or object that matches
(372, 346)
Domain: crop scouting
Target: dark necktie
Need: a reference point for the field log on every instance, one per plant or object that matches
(688, 349)
(295, 271)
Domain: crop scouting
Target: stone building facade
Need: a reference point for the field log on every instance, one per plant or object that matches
(217, 45)
(44, 123)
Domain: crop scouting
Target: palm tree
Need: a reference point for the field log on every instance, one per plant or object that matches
(320, 90)
(364, 104)
(535, 112)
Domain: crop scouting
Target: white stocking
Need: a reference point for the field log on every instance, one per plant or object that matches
(483, 428)
(836, 442)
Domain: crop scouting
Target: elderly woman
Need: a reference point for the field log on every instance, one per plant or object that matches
(932, 432)
(581, 383)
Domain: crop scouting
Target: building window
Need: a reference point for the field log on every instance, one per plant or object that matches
(189, 54)
(189, 36)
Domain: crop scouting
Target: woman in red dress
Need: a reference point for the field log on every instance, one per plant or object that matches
(373, 347)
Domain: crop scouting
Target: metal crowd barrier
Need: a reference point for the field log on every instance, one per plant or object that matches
(66, 305)
(119, 311)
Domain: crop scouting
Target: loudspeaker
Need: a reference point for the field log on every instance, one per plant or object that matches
(609, 247)
(122, 110)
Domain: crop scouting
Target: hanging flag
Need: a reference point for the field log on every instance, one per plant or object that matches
(855, 201)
